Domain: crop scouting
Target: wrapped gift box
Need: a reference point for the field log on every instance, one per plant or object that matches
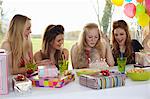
(58, 82)
(142, 58)
(3, 72)
(98, 81)
(47, 71)
(21, 86)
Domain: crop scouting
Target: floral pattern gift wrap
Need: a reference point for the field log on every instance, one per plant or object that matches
(56, 82)
(102, 80)
(21, 84)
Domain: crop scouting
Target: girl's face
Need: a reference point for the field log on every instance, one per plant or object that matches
(27, 29)
(120, 36)
(58, 42)
(92, 37)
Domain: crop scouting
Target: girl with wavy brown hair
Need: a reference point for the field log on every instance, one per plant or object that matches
(52, 47)
(122, 43)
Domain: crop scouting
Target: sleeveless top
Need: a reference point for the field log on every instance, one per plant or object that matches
(23, 61)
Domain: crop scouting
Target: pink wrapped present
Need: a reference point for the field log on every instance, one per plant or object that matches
(47, 71)
(142, 58)
(3, 72)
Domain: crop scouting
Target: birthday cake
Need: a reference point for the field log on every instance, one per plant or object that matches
(102, 80)
(98, 64)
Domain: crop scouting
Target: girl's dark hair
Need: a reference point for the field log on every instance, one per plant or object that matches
(49, 36)
(52, 31)
(121, 24)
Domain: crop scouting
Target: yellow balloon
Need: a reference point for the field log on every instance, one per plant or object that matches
(117, 2)
(143, 20)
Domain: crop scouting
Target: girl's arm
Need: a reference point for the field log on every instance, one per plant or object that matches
(37, 56)
(145, 43)
(38, 60)
(74, 56)
(109, 56)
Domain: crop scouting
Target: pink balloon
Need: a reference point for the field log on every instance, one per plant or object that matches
(147, 4)
(129, 10)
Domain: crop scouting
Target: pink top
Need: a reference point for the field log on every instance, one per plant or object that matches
(87, 56)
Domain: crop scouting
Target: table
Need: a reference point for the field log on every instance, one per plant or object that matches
(73, 90)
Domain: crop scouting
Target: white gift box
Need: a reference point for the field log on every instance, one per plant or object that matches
(47, 71)
(22, 86)
(142, 58)
(3, 72)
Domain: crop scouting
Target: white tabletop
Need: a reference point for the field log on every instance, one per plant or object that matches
(73, 90)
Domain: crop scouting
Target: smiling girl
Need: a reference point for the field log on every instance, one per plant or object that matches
(122, 42)
(52, 47)
(18, 43)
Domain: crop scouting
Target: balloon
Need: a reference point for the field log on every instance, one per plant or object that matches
(128, 0)
(129, 10)
(140, 9)
(143, 20)
(147, 4)
(117, 2)
(140, 1)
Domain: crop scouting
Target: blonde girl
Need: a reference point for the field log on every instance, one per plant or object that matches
(18, 43)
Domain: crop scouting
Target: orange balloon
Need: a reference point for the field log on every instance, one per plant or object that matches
(140, 1)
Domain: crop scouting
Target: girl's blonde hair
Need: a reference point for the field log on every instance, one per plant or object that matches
(82, 42)
(18, 44)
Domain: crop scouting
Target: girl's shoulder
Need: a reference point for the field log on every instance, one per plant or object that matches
(5, 45)
(74, 47)
(65, 51)
(104, 43)
(38, 53)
